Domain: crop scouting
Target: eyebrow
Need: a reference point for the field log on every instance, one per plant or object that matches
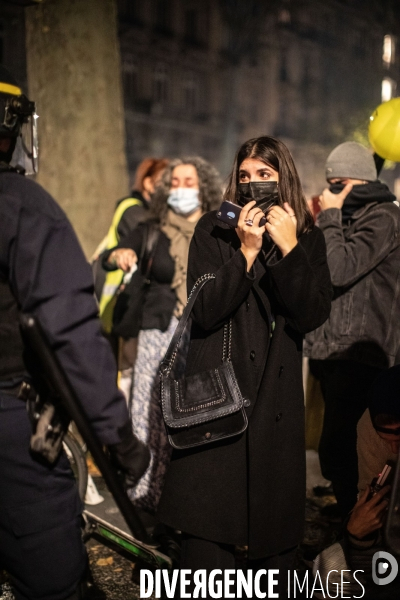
(260, 169)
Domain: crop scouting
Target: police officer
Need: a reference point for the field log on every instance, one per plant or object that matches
(43, 272)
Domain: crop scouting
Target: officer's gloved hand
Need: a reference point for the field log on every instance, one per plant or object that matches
(131, 456)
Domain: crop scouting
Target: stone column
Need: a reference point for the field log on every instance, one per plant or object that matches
(74, 78)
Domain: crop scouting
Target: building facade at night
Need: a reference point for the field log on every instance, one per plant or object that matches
(199, 79)
(202, 76)
(12, 41)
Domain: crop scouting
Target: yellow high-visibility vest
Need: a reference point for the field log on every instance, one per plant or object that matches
(113, 278)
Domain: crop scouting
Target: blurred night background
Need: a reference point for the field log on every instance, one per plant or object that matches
(118, 80)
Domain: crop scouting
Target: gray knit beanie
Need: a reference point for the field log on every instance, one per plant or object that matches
(351, 160)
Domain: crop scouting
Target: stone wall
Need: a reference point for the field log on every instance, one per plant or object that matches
(74, 77)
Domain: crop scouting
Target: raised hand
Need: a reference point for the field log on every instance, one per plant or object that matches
(249, 232)
(281, 226)
(329, 200)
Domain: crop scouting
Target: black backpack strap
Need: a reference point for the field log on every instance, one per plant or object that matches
(170, 356)
(151, 236)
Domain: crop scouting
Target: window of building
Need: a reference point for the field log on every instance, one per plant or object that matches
(130, 78)
(192, 25)
(160, 84)
(389, 47)
(388, 89)
(306, 79)
(283, 71)
(284, 17)
(359, 42)
(190, 93)
(129, 10)
(162, 15)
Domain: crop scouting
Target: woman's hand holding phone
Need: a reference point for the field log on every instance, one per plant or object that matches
(250, 233)
(368, 514)
(282, 227)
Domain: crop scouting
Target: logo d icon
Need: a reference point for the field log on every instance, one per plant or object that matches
(384, 568)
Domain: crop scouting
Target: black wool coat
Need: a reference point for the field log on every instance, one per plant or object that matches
(250, 489)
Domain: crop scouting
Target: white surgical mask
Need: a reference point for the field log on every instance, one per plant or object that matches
(184, 201)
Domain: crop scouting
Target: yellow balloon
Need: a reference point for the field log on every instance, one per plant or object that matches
(384, 130)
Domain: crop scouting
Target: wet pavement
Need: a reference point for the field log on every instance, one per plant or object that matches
(116, 577)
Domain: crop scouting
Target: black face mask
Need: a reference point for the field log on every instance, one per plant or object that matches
(265, 193)
(336, 188)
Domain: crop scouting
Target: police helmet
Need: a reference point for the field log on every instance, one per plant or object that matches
(18, 121)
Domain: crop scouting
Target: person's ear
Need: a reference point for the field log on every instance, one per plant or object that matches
(148, 185)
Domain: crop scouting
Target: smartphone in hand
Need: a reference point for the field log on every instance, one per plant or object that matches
(379, 482)
(229, 213)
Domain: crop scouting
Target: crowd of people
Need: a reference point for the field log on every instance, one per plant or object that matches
(282, 283)
(334, 282)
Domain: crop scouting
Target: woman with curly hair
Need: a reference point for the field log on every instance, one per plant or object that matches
(189, 188)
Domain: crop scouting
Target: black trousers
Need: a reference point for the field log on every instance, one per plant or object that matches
(203, 554)
(40, 537)
(345, 387)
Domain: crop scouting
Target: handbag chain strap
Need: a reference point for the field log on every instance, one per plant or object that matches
(170, 356)
(227, 347)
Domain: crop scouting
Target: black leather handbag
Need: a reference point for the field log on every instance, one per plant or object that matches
(204, 407)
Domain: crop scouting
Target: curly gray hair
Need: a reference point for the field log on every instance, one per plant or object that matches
(210, 186)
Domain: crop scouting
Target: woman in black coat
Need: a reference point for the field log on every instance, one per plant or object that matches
(250, 489)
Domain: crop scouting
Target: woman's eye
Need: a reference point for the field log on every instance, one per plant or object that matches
(265, 174)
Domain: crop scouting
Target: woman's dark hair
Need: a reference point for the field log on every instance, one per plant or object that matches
(210, 186)
(274, 153)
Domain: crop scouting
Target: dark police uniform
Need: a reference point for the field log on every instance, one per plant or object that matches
(43, 272)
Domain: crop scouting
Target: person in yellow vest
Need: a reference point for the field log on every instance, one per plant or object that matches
(130, 211)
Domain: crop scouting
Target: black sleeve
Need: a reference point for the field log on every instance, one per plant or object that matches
(133, 240)
(52, 280)
(220, 297)
(302, 283)
(130, 220)
(375, 236)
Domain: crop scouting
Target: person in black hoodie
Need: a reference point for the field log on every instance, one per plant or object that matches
(361, 223)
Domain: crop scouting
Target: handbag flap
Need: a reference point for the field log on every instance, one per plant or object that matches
(200, 398)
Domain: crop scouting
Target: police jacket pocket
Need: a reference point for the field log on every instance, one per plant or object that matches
(51, 512)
